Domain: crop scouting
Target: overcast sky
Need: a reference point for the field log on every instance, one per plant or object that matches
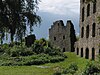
(52, 10)
(59, 6)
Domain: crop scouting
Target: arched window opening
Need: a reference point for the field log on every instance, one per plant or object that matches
(54, 38)
(93, 29)
(82, 32)
(94, 6)
(88, 10)
(83, 14)
(87, 31)
(63, 37)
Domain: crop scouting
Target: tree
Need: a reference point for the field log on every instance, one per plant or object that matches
(15, 15)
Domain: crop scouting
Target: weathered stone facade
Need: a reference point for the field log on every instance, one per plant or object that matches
(88, 44)
(62, 36)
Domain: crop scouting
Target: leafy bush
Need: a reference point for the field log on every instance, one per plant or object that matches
(5, 48)
(41, 52)
(14, 53)
(91, 69)
(43, 46)
(42, 59)
(57, 73)
(26, 53)
(56, 59)
(37, 47)
(35, 62)
(71, 70)
(20, 51)
(52, 51)
(7, 64)
(32, 60)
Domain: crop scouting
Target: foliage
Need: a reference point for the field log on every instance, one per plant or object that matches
(52, 51)
(31, 60)
(71, 70)
(15, 15)
(77, 38)
(37, 47)
(39, 53)
(20, 51)
(43, 46)
(45, 69)
(98, 18)
(57, 73)
(92, 69)
(5, 48)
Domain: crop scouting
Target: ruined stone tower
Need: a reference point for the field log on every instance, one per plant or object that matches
(62, 36)
(88, 44)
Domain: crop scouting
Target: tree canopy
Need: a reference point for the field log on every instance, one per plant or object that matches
(16, 15)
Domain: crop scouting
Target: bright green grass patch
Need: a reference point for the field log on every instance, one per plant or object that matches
(47, 69)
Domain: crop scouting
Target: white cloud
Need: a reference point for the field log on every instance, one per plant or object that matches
(59, 6)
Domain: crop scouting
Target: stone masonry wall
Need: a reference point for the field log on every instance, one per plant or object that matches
(88, 47)
(62, 36)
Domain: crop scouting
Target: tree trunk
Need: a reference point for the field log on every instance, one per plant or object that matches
(12, 37)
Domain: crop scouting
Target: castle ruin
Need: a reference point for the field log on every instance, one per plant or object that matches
(62, 36)
(88, 44)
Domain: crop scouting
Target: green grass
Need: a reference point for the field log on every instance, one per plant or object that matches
(49, 68)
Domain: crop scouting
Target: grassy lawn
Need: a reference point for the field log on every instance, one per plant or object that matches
(47, 69)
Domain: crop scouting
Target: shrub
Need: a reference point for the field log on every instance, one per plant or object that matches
(20, 51)
(52, 51)
(1, 50)
(71, 70)
(35, 62)
(15, 50)
(37, 48)
(8, 63)
(14, 53)
(39, 53)
(5, 48)
(56, 59)
(26, 53)
(57, 73)
(91, 69)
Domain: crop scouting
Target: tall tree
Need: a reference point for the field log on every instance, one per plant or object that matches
(15, 15)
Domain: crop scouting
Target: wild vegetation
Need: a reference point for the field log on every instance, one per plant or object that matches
(40, 52)
(52, 68)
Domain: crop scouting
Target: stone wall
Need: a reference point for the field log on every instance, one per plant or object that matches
(62, 36)
(88, 44)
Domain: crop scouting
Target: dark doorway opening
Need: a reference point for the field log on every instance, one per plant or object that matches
(93, 54)
(99, 51)
(77, 51)
(64, 50)
(81, 52)
(87, 53)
